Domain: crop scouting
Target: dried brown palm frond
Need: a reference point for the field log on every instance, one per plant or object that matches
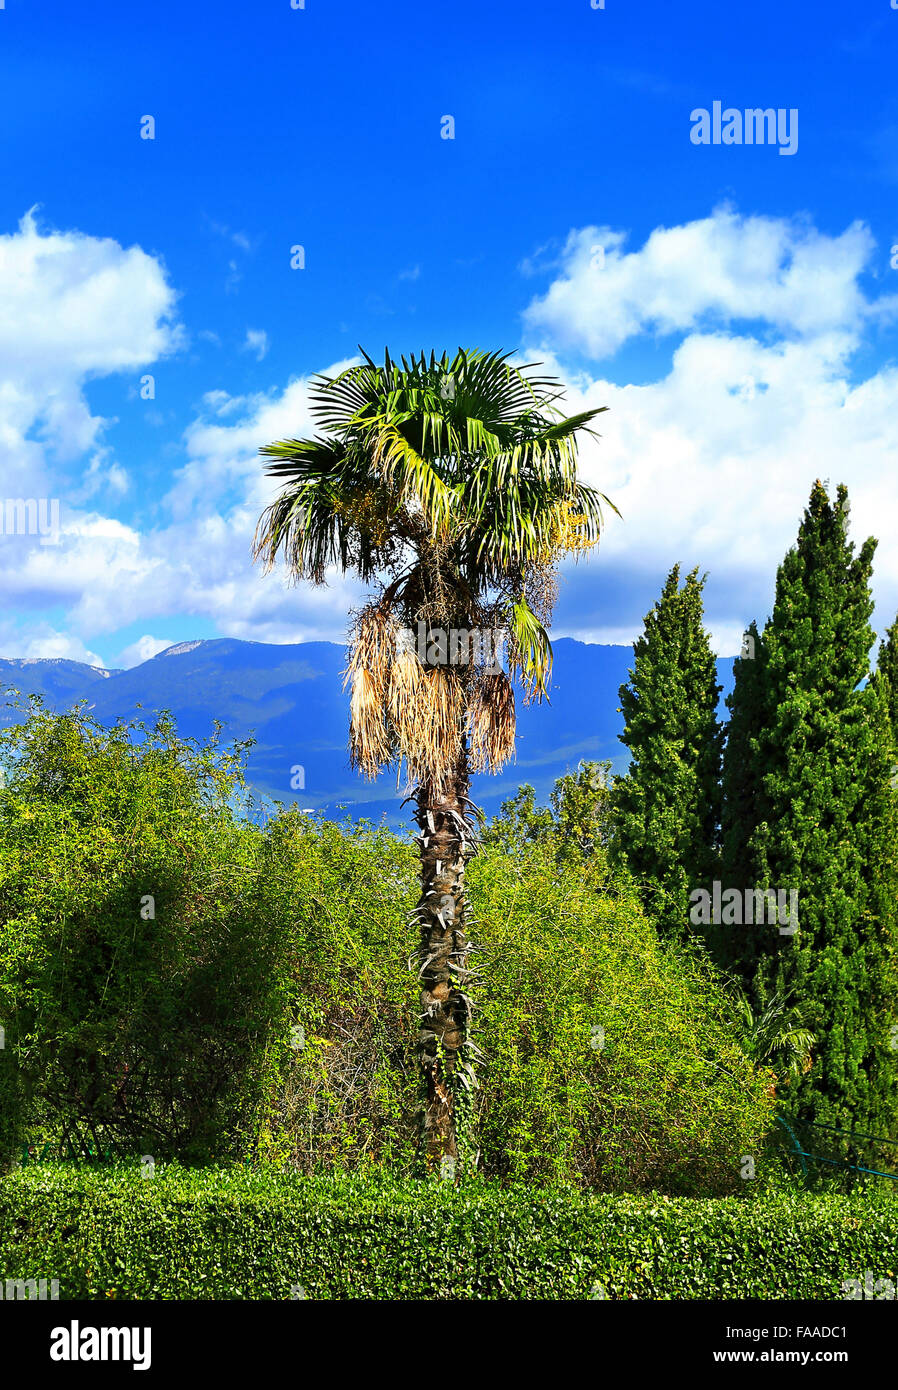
(370, 747)
(406, 675)
(435, 730)
(372, 649)
(491, 723)
(372, 646)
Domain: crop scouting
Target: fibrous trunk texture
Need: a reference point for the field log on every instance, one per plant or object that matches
(446, 840)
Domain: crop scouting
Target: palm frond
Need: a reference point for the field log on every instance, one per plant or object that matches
(403, 698)
(530, 651)
(435, 735)
(369, 743)
(491, 723)
(371, 655)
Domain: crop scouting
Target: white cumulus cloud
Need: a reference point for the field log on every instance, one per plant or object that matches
(711, 464)
(714, 271)
(72, 307)
(140, 651)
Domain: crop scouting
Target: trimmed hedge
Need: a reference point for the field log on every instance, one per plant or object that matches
(245, 1234)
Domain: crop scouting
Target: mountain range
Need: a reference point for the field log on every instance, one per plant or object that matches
(290, 698)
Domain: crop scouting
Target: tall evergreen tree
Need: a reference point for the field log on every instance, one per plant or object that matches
(887, 674)
(742, 788)
(666, 808)
(811, 750)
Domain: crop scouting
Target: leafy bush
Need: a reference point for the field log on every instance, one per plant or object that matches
(340, 895)
(609, 1057)
(266, 1235)
(577, 822)
(266, 1009)
(662, 1096)
(139, 982)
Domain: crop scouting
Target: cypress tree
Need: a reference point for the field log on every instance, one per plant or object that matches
(886, 674)
(742, 791)
(885, 855)
(811, 748)
(666, 809)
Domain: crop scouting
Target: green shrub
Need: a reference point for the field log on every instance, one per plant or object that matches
(266, 1235)
(668, 1099)
(662, 1097)
(140, 985)
(607, 1060)
(339, 895)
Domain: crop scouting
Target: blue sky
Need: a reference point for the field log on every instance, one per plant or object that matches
(733, 306)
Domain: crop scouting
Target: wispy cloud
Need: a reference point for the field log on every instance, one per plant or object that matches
(256, 341)
(238, 239)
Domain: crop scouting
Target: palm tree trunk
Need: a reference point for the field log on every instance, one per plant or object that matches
(446, 842)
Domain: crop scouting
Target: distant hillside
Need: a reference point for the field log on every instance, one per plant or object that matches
(291, 699)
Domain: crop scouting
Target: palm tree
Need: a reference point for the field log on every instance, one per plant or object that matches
(775, 1036)
(450, 484)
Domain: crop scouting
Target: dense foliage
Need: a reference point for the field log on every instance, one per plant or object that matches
(810, 812)
(577, 821)
(667, 806)
(263, 1010)
(183, 978)
(141, 979)
(261, 1235)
